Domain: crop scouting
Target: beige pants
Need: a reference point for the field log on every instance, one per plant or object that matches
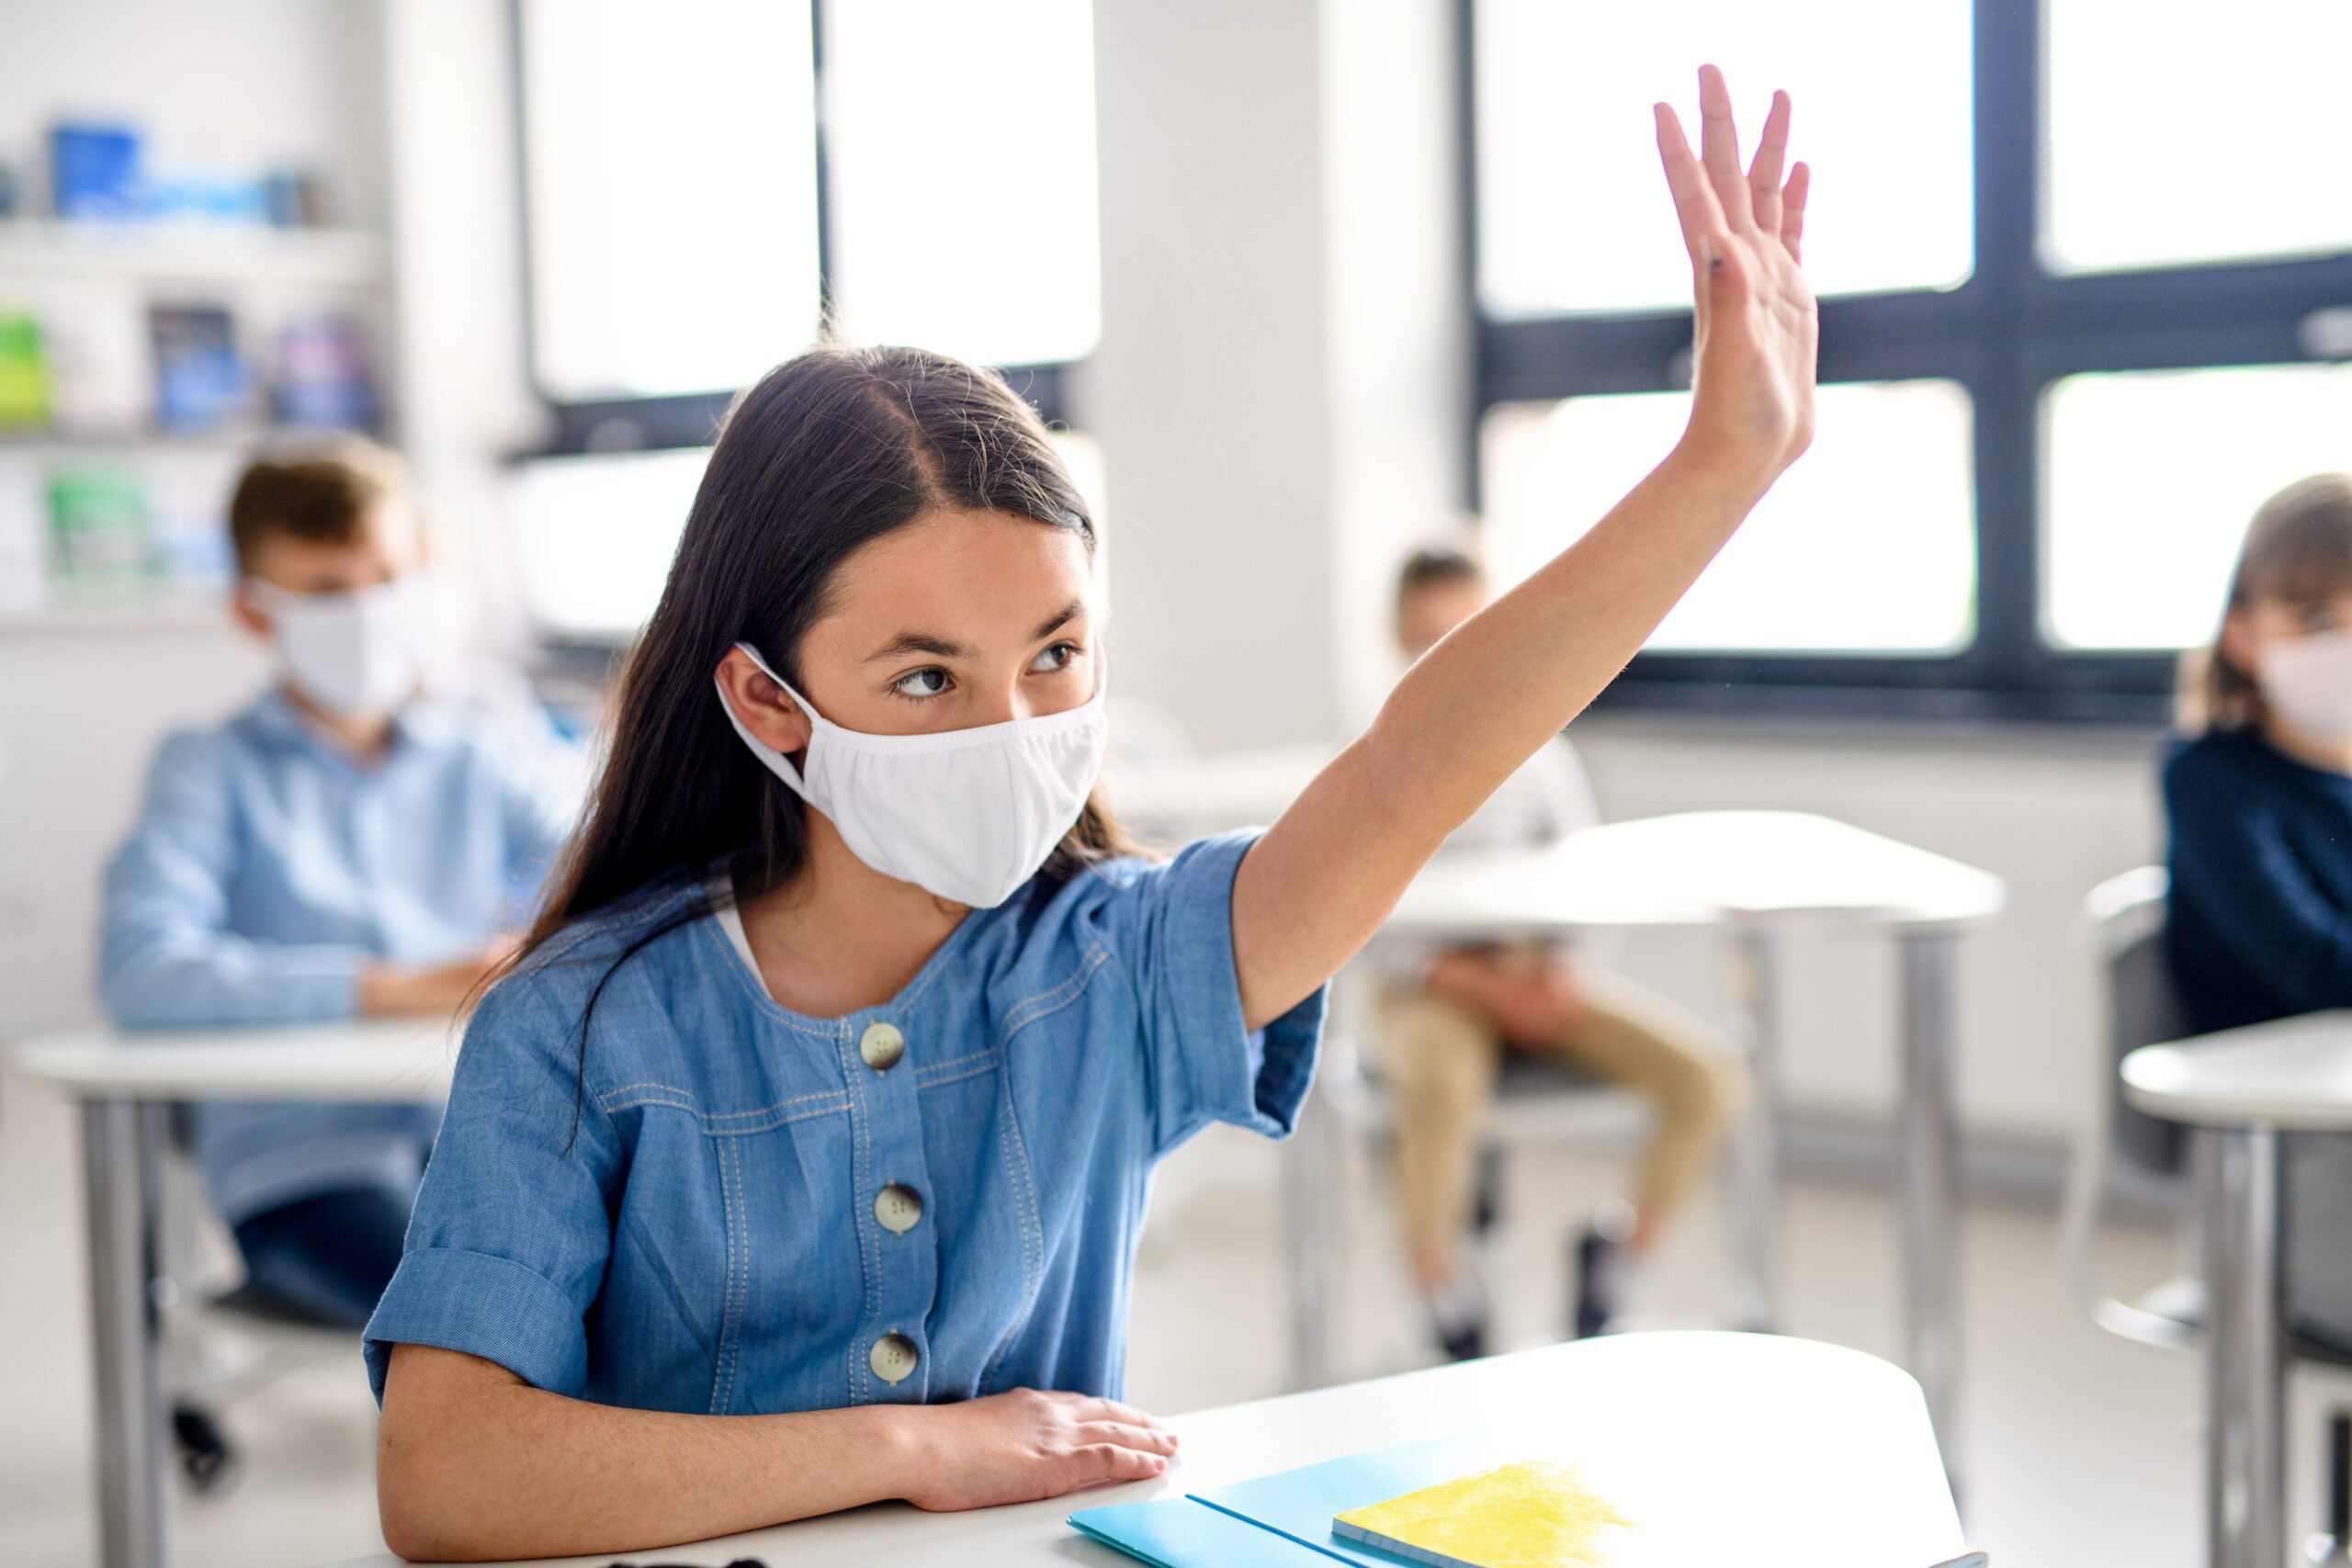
(1442, 1056)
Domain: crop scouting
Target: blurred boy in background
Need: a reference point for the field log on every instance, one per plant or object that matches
(1448, 1015)
(343, 846)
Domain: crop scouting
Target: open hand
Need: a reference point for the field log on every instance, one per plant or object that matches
(1751, 411)
(1028, 1444)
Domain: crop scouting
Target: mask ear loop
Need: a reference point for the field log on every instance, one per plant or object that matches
(777, 762)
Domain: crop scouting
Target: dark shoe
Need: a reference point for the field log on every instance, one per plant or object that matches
(1600, 1272)
(1458, 1312)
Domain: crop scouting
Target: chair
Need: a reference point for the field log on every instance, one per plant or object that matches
(1539, 1100)
(199, 1319)
(2121, 1146)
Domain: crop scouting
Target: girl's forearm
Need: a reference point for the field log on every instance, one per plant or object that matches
(1467, 715)
(1476, 705)
(473, 1463)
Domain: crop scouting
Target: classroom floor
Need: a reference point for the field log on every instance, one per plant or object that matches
(2078, 1451)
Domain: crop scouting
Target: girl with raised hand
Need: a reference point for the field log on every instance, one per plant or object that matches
(799, 1161)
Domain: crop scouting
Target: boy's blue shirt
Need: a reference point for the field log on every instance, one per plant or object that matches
(686, 1210)
(267, 867)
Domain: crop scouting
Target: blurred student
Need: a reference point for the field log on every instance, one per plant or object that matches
(343, 846)
(799, 1161)
(2259, 802)
(1448, 1015)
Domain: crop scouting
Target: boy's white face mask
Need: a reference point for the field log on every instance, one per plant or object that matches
(2307, 681)
(968, 815)
(356, 653)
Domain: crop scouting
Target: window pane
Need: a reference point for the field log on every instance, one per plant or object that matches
(960, 156)
(1573, 209)
(670, 160)
(1866, 546)
(2152, 477)
(593, 536)
(2185, 136)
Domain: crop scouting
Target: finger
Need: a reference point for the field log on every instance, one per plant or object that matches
(1694, 199)
(1719, 148)
(1764, 173)
(1793, 200)
(1149, 1439)
(1113, 1461)
(1111, 1410)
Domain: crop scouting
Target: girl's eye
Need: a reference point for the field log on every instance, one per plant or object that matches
(922, 684)
(1055, 657)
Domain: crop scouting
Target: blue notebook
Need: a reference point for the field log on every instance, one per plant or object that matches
(1285, 1520)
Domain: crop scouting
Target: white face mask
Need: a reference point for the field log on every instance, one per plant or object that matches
(356, 653)
(2307, 681)
(968, 815)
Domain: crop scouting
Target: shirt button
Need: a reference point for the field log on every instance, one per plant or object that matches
(893, 1358)
(881, 1045)
(897, 1206)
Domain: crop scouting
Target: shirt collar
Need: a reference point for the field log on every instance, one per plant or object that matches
(420, 723)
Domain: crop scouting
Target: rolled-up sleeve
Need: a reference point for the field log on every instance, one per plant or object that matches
(1173, 925)
(513, 1228)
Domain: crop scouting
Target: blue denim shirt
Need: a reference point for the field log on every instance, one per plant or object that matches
(726, 1207)
(268, 865)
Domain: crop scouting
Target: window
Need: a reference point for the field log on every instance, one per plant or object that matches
(2053, 385)
(2144, 524)
(703, 177)
(672, 193)
(1865, 548)
(1574, 216)
(2252, 160)
(593, 532)
(961, 140)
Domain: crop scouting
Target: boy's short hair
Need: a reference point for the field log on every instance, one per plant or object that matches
(325, 491)
(1435, 564)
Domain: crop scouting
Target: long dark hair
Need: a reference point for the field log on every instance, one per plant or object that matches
(830, 451)
(2298, 548)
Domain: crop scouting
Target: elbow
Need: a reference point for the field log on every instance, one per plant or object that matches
(135, 1001)
(422, 1513)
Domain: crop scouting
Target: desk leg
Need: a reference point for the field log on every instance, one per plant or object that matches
(1312, 1209)
(1927, 1191)
(2244, 1210)
(119, 1139)
(1752, 1191)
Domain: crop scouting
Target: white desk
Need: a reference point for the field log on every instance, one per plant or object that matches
(1727, 1449)
(125, 1081)
(2237, 1090)
(1753, 874)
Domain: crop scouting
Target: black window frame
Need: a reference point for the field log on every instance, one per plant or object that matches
(2005, 335)
(627, 424)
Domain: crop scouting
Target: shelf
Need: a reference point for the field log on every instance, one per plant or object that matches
(190, 252)
(163, 611)
(229, 438)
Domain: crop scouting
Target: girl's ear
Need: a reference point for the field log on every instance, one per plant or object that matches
(766, 709)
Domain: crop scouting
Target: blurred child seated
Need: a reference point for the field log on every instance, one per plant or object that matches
(343, 847)
(2259, 804)
(1447, 1016)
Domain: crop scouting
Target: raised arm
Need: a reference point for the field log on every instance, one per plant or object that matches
(1479, 704)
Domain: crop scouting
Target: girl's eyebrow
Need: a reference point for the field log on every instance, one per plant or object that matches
(1061, 619)
(918, 642)
(940, 647)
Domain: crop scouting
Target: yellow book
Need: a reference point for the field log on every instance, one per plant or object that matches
(1529, 1515)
